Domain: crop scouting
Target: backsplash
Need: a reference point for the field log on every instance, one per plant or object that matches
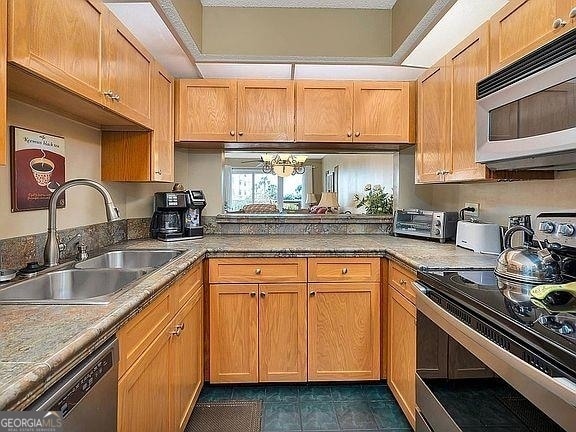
(17, 251)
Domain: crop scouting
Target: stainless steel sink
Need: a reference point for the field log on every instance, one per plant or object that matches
(130, 259)
(72, 286)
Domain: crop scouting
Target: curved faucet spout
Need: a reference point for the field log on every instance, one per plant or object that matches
(51, 250)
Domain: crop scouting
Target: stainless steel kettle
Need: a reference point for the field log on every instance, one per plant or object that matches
(526, 263)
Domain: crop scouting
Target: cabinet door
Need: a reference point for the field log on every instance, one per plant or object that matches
(233, 333)
(265, 110)
(129, 74)
(433, 125)
(60, 40)
(205, 110)
(187, 360)
(282, 326)
(466, 65)
(163, 123)
(126, 156)
(143, 392)
(324, 111)
(343, 331)
(402, 352)
(384, 112)
(522, 26)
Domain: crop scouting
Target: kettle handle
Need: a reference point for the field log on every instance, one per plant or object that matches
(510, 233)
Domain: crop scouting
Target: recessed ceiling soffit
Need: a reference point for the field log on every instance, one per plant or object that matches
(212, 43)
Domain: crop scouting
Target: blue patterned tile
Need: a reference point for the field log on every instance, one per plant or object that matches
(215, 393)
(249, 393)
(341, 393)
(315, 393)
(318, 416)
(281, 394)
(388, 415)
(355, 415)
(281, 417)
(377, 392)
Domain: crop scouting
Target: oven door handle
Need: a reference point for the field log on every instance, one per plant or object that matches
(555, 396)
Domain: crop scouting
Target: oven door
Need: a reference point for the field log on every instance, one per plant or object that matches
(467, 382)
(531, 123)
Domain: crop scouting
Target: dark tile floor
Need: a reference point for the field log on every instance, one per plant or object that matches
(318, 407)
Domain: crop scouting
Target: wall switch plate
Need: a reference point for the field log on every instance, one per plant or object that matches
(475, 213)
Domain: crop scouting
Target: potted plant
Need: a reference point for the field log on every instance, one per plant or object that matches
(375, 201)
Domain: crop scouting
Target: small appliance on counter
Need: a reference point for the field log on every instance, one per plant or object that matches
(434, 225)
(522, 220)
(479, 237)
(178, 215)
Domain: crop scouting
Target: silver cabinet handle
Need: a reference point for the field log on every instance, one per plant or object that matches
(177, 330)
(349, 134)
(312, 293)
(115, 97)
(344, 270)
(573, 13)
(253, 294)
(357, 134)
(402, 282)
(262, 294)
(258, 271)
(558, 22)
(240, 133)
(108, 93)
(438, 172)
(232, 133)
(159, 172)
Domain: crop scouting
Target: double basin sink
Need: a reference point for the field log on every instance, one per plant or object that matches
(93, 281)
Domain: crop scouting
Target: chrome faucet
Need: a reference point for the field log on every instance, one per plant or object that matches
(51, 249)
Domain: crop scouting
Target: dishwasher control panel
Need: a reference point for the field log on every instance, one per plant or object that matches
(85, 383)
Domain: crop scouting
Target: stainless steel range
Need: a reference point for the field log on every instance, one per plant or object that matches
(505, 348)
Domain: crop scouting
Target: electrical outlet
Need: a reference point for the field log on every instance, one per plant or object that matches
(475, 213)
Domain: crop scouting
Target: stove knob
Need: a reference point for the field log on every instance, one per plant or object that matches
(437, 231)
(437, 223)
(547, 227)
(566, 230)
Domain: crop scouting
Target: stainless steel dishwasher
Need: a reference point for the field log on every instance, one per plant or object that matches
(87, 396)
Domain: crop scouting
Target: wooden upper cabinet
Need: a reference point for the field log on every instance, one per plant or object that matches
(467, 64)
(128, 85)
(61, 40)
(324, 111)
(433, 124)
(265, 110)
(384, 111)
(523, 25)
(162, 150)
(206, 110)
(3, 39)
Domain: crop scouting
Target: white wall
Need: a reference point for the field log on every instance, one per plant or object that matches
(500, 200)
(83, 205)
(355, 171)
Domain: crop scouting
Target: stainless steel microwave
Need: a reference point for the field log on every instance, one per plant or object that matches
(526, 112)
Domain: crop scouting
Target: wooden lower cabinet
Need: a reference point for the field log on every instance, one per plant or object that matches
(402, 352)
(187, 361)
(282, 333)
(343, 331)
(257, 333)
(161, 361)
(144, 391)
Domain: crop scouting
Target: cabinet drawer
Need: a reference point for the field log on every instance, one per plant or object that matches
(401, 278)
(344, 269)
(241, 270)
(186, 287)
(137, 335)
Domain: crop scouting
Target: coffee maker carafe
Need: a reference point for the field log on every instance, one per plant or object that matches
(177, 215)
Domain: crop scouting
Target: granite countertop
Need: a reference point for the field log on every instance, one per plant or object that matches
(39, 344)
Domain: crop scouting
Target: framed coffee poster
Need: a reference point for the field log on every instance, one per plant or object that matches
(38, 168)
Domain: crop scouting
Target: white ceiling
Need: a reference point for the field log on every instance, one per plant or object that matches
(245, 70)
(461, 20)
(356, 72)
(336, 4)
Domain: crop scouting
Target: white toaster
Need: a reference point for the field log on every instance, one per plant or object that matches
(479, 237)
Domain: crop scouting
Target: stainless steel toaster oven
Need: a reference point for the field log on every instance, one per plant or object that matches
(430, 224)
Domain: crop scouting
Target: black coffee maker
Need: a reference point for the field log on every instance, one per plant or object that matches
(177, 215)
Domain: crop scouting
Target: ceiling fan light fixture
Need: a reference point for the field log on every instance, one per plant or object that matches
(283, 164)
